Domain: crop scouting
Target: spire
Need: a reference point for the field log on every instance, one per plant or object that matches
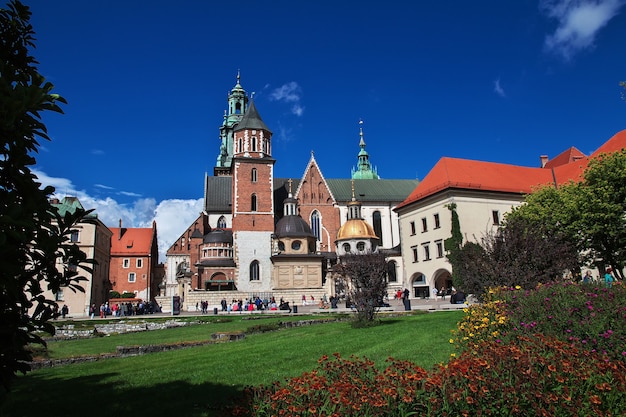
(364, 168)
(354, 207)
(251, 120)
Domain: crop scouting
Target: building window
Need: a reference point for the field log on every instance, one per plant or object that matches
(139, 263)
(240, 147)
(415, 254)
(126, 263)
(412, 228)
(281, 245)
(72, 268)
(74, 236)
(439, 244)
(392, 275)
(346, 247)
(221, 223)
(496, 217)
(254, 271)
(58, 296)
(132, 277)
(426, 247)
(424, 225)
(378, 227)
(360, 246)
(419, 279)
(253, 175)
(316, 224)
(296, 245)
(253, 144)
(437, 221)
(253, 202)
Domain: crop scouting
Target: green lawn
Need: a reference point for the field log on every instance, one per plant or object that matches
(193, 382)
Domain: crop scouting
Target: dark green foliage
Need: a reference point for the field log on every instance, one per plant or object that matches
(33, 236)
(453, 245)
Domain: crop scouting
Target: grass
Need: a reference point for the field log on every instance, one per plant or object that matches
(195, 382)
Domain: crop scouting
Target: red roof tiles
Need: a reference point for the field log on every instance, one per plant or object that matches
(453, 173)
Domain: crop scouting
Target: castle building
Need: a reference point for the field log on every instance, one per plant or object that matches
(94, 239)
(259, 235)
(482, 192)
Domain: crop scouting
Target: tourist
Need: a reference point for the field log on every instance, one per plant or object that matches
(608, 277)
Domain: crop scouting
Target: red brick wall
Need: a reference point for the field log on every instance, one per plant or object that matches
(244, 188)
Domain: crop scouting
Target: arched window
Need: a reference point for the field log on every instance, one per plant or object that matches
(346, 247)
(240, 147)
(392, 275)
(253, 202)
(221, 223)
(378, 228)
(316, 226)
(254, 271)
(253, 175)
(253, 144)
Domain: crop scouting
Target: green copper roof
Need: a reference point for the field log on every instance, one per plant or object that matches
(374, 191)
(70, 205)
(364, 169)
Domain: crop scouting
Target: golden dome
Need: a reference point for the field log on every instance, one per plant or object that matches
(356, 229)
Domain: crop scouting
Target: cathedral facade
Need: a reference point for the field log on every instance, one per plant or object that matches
(262, 236)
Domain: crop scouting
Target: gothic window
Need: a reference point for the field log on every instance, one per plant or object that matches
(253, 144)
(253, 202)
(378, 228)
(253, 174)
(254, 271)
(316, 224)
(221, 223)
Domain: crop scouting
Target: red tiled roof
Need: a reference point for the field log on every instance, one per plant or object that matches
(133, 241)
(451, 173)
(570, 155)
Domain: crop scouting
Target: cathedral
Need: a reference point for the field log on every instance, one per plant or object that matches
(262, 236)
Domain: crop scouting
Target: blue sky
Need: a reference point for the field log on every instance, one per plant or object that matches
(146, 82)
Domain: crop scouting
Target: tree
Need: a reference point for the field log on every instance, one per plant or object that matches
(590, 214)
(602, 205)
(367, 283)
(453, 244)
(34, 237)
(521, 253)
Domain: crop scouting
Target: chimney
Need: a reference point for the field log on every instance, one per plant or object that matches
(121, 231)
(544, 160)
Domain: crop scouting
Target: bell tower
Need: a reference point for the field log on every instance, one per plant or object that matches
(253, 201)
(237, 106)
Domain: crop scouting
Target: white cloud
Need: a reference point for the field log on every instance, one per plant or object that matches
(289, 93)
(579, 21)
(497, 88)
(172, 216)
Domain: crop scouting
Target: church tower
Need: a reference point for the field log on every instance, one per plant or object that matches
(237, 105)
(252, 170)
(364, 170)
